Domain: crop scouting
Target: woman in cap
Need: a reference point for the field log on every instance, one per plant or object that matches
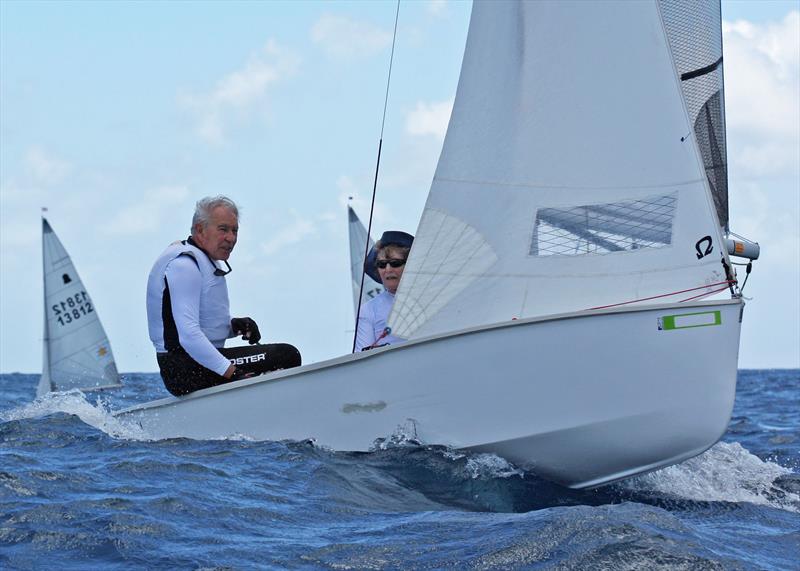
(385, 264)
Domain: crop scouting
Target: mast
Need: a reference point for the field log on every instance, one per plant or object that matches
(726, 225)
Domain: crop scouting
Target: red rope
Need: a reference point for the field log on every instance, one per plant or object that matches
(726, 282)
(386, 332)
(703, 294)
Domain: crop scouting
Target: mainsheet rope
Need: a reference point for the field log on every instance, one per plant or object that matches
(377, 168)
(726, 283)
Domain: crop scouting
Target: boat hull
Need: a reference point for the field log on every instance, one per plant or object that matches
(582, 399)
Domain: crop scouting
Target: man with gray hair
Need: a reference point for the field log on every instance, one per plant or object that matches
(188, 312)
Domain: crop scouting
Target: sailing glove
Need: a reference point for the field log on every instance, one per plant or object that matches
(247, 328)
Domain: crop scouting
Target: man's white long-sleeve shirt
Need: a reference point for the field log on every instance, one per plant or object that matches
(187, 306)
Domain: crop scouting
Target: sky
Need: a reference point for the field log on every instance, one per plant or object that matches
(119, 116)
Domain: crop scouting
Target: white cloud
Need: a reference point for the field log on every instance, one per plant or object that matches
(345, 38)
(239, 91)
(762, 100)
(429, 118)
(437, 7)
(762, 77)
(44, 167)
(767, 158)
(292, 234)
(147, 214)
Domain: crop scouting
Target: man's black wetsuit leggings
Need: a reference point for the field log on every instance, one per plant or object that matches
(183, 375)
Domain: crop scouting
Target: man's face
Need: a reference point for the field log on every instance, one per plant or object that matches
(219, 237)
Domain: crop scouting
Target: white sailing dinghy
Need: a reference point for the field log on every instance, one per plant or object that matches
(358, 240)
(76, 352)
(556, 299)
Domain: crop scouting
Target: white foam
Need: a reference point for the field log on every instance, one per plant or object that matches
(452, 454)
(404, 436)
(727, 472)
(74, 402)
(491, 466)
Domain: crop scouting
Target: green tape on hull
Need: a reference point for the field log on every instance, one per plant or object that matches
(689, 320)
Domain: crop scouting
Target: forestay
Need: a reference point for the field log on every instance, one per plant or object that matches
(358, 241)
(570, 177)
(77, 354)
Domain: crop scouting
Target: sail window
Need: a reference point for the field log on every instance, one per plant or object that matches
(604, 228)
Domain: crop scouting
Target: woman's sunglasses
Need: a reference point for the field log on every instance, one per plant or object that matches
(394, 263)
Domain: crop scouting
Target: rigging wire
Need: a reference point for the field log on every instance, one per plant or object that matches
(748, 269)
(377, 168)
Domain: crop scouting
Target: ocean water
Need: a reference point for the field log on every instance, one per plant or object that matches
(78, 491)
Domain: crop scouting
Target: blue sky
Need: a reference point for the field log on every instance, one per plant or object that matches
(118, 116)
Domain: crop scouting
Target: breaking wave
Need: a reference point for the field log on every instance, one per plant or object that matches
(727, 472)
(97, 415)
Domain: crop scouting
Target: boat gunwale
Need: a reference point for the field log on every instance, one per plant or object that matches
(284, 374)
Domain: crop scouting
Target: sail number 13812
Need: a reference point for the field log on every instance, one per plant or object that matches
(72, 308)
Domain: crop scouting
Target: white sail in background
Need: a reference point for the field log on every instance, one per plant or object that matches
(547, 201)
(358, 240)
(77, 354)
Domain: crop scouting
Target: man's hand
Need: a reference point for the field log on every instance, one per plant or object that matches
(247, 328)
(235, 373)
(240, 374)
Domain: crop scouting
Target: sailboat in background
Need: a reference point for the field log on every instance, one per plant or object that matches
(76, 351)
(569, 302)
(358, 239)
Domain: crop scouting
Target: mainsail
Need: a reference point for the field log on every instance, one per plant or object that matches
(358, 242)
(77, 354)
(570, 177)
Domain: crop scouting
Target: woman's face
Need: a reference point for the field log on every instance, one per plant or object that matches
(390, 276)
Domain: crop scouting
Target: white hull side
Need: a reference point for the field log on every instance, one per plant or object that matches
(583, 399)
